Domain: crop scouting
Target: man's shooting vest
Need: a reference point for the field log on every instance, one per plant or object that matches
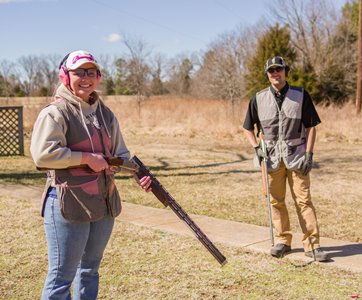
(283, 129)
(83, 194)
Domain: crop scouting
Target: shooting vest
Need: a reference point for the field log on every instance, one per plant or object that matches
(283, 129)
(84, 195)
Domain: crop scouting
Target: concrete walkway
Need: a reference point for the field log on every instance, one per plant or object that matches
(345, 255)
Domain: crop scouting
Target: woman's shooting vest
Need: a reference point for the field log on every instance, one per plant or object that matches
(85, 195)
(283, 129)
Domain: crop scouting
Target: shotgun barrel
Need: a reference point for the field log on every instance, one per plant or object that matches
(167, 200)
(264, 172)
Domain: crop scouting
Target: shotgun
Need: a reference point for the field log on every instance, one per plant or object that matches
(265, 179)
(167, 200)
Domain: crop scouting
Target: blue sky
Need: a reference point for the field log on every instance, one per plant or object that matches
(171, 27)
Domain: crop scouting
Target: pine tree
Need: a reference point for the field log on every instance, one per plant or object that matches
(337, 82)
(275, 42)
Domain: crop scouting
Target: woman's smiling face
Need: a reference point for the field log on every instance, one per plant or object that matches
(83, 81)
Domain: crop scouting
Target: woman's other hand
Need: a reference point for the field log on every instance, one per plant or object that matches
(145, 183)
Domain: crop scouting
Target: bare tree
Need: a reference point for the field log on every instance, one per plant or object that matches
(137, 63)
(157, 73)
(31, 67)
(108, 71)
(179, 74)
(222, 71)
(312, 24)
(138, 67)
(49, 68)
(7, 74)
(107, 64)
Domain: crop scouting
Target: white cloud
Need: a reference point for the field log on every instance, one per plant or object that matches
(112, 37)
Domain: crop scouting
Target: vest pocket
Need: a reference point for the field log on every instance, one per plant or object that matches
(294, 153)
(114, 201)
(80, 200)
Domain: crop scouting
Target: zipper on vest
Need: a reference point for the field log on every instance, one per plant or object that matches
(104, 172)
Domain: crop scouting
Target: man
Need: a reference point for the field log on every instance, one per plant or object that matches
(286, 117)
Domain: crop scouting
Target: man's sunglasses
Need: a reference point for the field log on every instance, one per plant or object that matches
(272, 70)
(92, 72)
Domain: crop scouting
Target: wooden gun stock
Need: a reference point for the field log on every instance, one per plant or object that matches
(167, 200)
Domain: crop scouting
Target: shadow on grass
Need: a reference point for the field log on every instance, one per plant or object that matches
(206, 173)
(21, 176)
(165, 166)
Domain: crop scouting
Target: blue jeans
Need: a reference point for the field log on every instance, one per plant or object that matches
(75, 251)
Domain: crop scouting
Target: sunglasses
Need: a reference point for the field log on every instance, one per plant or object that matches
(272, 70)
(92, 72)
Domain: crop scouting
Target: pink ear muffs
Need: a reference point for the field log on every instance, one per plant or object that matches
(99, 76)
(64, 74)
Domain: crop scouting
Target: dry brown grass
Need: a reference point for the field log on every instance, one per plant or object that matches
(197, 150)
(340, 125)
(167, 114)
(174, 116)
(142, 263)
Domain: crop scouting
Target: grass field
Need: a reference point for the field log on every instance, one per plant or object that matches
(141, 263)
(199, 154)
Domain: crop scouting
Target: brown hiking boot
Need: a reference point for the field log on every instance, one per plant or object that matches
(279, 250)
(319, 255)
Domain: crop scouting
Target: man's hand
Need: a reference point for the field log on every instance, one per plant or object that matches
(308, 163)
(260, 153)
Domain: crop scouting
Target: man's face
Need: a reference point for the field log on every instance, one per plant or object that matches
(276, 76)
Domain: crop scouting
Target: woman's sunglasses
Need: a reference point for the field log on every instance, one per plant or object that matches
(92, 72)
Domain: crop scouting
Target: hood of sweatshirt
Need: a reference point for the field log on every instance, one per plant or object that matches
(66, 94)
(87, 110)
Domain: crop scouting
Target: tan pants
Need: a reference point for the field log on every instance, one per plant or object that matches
(300, 189)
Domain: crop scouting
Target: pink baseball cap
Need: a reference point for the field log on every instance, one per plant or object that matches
(79, 58)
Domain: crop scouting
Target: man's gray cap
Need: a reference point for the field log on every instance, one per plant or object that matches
(276, 61)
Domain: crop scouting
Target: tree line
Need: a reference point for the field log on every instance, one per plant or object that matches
(318, 42)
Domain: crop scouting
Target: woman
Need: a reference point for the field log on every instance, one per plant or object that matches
(71, 138)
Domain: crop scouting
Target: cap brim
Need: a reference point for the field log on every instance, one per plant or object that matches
(80, 63)
(275, 65)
